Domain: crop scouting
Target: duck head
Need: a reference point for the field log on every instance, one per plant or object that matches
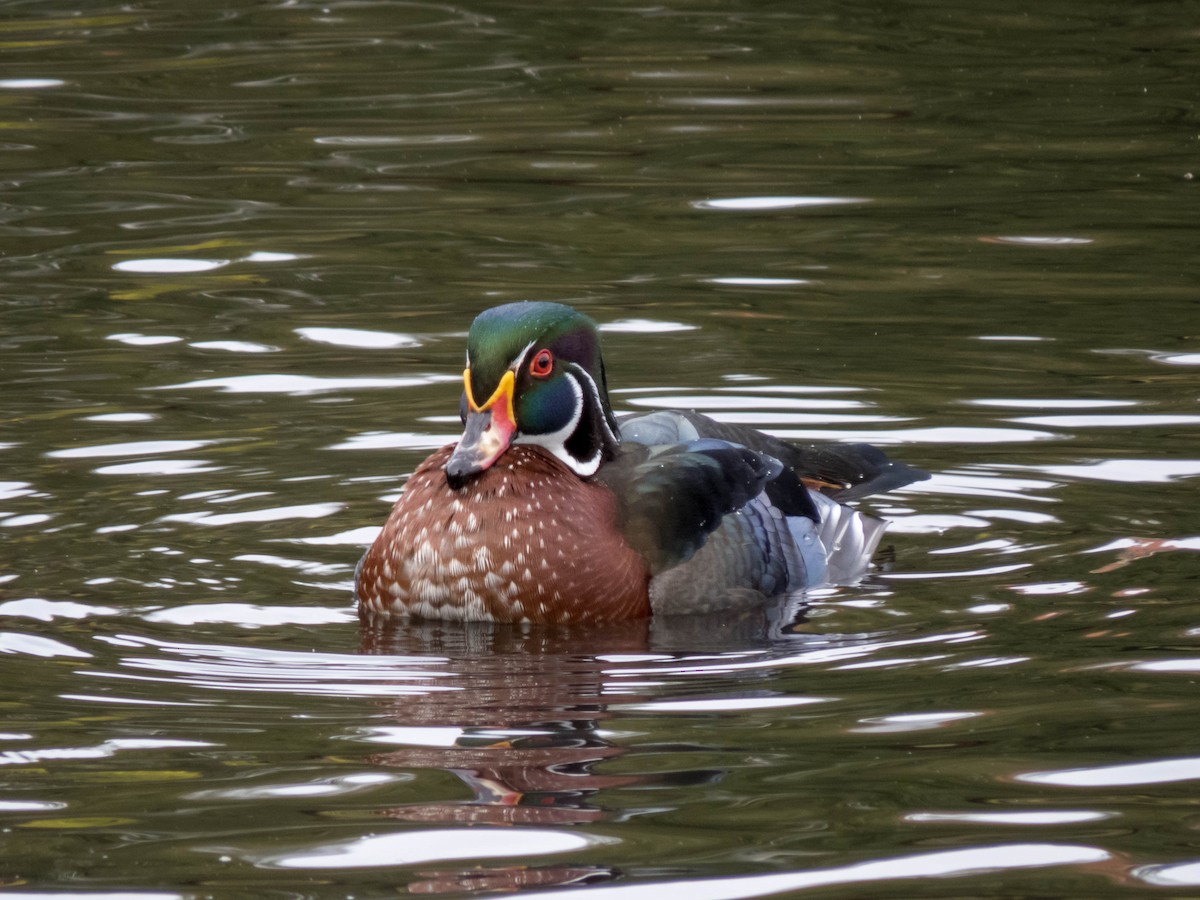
(534, 376)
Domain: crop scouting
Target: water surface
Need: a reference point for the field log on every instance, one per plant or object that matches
(241, 248)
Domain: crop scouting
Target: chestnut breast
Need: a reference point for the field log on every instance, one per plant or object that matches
(527, 540)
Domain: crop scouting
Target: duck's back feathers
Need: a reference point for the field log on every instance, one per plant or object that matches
(795, 534)
(843, 471)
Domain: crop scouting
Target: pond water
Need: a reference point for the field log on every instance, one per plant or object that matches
(241, 245)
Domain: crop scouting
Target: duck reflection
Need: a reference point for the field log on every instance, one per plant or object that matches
(531, 703)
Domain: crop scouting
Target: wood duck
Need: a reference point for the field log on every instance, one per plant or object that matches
(550, 509)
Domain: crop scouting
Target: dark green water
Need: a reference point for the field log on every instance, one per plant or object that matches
(240, 244)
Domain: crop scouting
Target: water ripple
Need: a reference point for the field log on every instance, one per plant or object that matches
(933, 865)
(301, 385)
(412, 847)
(1164, 771)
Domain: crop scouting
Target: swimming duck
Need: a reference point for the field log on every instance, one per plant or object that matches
(550, 509)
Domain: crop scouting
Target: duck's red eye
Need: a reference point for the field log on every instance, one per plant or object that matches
(542, 364)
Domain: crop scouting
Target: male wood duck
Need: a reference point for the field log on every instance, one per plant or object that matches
(551, 510)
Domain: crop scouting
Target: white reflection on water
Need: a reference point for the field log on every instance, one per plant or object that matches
(759, 282)
(358, 338)
(776, 202)
(49, 610)
(729, 401)
(269, 256)
(249, 615)
(243, 668)
(1187, 666)
(994, 544)
(30, 806)
(1174, 875)
(939, 864)
(1190, 543)
(1113, 421)
(966, 485)
(10, 490)
(768, 418)
(941, 522)
(388, 140)
(906, 722)
(947, 434)
(105, 895)
(1163, 771)
(409, 847)
(35, 645)
(443, 736)
(121, 417)
(1178, 359)
(97, 751)
(25, 520)
(645, 326)
(274, 514)
(1018, 817)
(300, 385)
(436, 735)
(1016, 515)
(1040, 240)
(144, 340)
(359, 537)
(721, 704)
(1133, 471)
(1051, 404)
(169, 266)
(130, 448)
(777, 388)
(1051, 588)
(816, 652)
(223, 495)
(987, 662)
(395, 440)
(234, 346)
(308, 567)
(160, 467)
(744, 100)
(30, 84)
(320, 787)
(967, 573)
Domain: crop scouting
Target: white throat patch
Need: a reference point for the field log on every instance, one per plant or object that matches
(556, 441)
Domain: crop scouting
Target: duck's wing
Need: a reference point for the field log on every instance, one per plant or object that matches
(670, 498)
(842, 471)
(793, 535)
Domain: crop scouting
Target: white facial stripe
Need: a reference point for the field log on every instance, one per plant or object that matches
(579, 370)
(556, 441)
(520, 360)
